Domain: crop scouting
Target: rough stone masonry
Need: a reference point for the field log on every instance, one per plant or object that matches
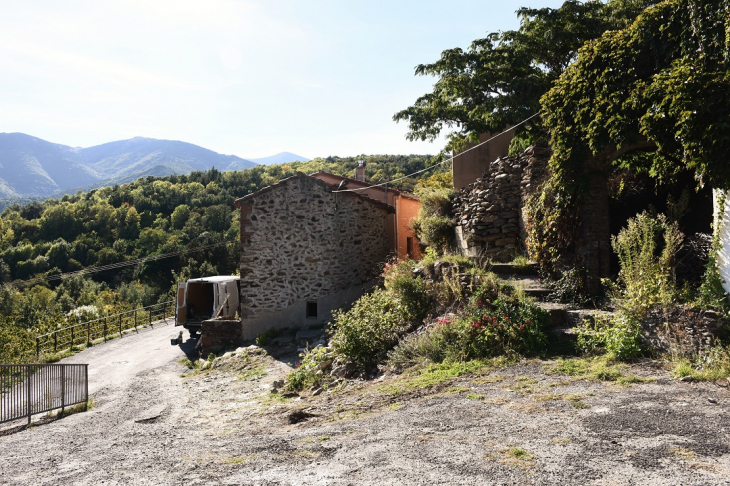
(302, 242)
(489, 210)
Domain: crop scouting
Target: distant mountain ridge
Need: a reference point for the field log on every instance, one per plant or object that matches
(32, 167)
(280, 158)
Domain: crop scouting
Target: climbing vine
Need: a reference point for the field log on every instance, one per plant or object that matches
(661, 84)
(551, 224)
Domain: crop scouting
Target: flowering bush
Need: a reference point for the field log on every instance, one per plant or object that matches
(84, 313)
(484, 329)
(490, 329)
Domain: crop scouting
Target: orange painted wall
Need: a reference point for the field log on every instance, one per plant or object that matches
(406, 210)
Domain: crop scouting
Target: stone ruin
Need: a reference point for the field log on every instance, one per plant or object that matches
(488, 212)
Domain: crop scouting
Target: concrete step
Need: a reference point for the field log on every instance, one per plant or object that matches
(576, 317)
(556, 311)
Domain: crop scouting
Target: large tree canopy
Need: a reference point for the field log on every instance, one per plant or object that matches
(664, 79)
(499, 80)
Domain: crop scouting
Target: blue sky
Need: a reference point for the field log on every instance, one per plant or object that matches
(250, 78)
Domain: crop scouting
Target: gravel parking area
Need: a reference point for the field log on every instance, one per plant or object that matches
(519, 424)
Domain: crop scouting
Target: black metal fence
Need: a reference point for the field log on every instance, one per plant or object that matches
(27, 389)
(105, 328)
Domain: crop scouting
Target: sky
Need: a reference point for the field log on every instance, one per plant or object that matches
(250, 78)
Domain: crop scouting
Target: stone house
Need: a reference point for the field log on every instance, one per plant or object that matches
(305, 251)
(402, 240)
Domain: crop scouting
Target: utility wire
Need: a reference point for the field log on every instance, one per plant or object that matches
(443, 161)
(113, 266)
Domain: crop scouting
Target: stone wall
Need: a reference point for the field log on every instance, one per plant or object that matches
(217, 335)
(488, 211)
(301, 243)
(681, 331)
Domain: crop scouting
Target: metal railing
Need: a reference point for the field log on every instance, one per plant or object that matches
(27, 389)
(105, 328)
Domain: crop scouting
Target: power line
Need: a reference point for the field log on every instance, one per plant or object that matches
(114, 266)
(443, 161)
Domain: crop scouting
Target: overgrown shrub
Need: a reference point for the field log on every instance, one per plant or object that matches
(400, 280)
(364, 334)
(482, 330)
(569, 287)
(647, 250)
(434, 225)
(619, 336)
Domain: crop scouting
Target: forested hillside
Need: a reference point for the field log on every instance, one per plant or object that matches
(113, 225)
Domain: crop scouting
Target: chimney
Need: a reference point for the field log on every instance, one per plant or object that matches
(360, 171)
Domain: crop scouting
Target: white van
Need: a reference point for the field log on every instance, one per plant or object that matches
(200, 299)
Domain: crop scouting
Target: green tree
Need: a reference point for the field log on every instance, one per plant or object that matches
(499, 80)
(180, 216)
(661, 84)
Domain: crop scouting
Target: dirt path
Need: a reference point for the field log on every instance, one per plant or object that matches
(514, 425)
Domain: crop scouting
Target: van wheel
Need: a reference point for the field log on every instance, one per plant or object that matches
(194, 334)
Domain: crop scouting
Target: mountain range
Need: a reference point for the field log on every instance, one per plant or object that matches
(31, 167)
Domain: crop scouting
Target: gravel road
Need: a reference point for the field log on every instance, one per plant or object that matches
(156, 422)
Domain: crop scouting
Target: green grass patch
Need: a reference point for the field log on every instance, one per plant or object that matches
(232, 461)
(435, 375)
(713, 365)
(601, 368)
(519, 453)
(253, 374)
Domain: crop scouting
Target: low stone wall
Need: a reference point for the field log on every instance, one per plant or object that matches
(681, 331)
(488, 212)
(219, 334)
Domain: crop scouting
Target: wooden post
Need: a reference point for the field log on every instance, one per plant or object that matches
(120, 325)
(88, 333)
(104, 328)
(135, 320)
(37, 347)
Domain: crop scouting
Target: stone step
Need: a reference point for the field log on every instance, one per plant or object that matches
(576, 317)
(531, 283)
(557, 313)
(310, 336)
(512, 269)
(563, 318)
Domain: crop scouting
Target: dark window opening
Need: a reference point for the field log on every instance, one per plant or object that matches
(409, 245)
(312, 310)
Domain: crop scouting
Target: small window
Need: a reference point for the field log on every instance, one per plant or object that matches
(409, 246)
(311, 310)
